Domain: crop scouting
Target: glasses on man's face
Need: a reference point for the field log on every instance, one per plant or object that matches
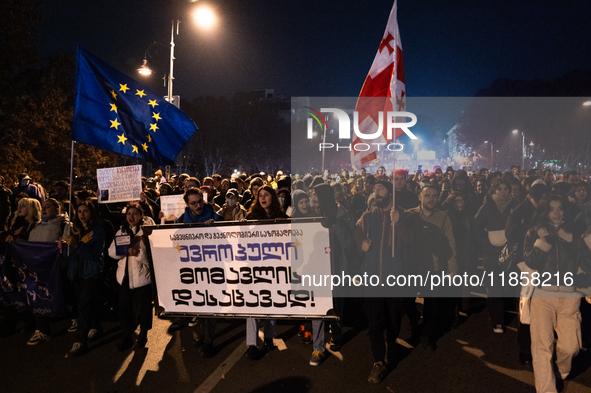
(199, 202)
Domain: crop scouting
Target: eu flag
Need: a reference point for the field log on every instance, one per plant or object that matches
(114, 112)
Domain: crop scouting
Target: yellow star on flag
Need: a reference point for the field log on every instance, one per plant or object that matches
(113, 108)
(156, 116)
(178, 247)
(124, 88)
(115, 124)
(153, 103)
(145, 146)
(140, 93)
(134, 149)
(114, 94)
(149, 138)
(122, 138)
(153, 127)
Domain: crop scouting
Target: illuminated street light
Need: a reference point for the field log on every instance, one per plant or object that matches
(144, 69)
(204, 17)
(587, 103)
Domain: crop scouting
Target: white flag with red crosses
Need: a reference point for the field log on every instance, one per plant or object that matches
(385, 81)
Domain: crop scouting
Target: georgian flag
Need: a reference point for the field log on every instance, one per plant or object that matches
(386, 81)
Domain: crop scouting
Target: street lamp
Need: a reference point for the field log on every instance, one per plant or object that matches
(204, 17)
(491, 154)
(522, 148)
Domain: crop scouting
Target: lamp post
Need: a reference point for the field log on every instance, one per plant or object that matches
(491, 154)
(522, 148)
(170, 76)
(324, 144)
(204, 18)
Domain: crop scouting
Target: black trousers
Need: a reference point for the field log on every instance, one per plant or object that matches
(383, 313)
(87, 292)
(143, 297)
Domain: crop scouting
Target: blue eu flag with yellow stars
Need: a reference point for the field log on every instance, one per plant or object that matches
(114, 112)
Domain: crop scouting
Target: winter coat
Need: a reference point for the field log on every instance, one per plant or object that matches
(237, 214)
(487, 220)
(86, 259)
(449, 264)
(50, 230)
(138, 267)
(518, 223)
(557, 254)
(376, 226)
(189, 218)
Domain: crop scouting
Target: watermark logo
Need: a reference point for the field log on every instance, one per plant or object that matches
(344, 128)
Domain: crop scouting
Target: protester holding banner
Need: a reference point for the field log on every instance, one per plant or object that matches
(84, 270)
(232, 210)
(265, 207)
(197, 211)
(133, 276)
(52, 227)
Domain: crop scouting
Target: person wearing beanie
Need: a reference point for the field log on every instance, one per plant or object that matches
(301, 204)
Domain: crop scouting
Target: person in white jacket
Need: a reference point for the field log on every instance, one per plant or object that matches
(133, 276)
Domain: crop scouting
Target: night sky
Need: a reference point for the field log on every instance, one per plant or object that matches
(326, 47)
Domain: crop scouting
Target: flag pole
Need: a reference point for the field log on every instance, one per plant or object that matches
(71, 181)
(393, 192)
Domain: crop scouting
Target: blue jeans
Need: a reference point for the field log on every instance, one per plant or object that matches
(252, 325)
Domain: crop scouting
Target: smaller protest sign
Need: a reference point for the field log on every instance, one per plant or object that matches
(119, 184)
(172, 206)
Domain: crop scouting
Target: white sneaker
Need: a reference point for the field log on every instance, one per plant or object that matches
(38, 338)
(73, 327)
(499, 329)
(194, 322)
(93, 334)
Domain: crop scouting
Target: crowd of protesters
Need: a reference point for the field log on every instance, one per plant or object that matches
(451, 222)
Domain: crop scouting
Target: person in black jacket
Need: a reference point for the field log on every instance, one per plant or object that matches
(551, 249)
(519, 222)
(489, 230)
(404, 198)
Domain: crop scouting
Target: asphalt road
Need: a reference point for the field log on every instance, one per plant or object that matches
(468, 359)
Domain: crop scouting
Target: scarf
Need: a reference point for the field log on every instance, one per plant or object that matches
(502, 203)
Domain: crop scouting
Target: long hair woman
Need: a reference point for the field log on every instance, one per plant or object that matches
(265, 207)
(133, 276)
(27, 216)
(551, 249)
(86, 264)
